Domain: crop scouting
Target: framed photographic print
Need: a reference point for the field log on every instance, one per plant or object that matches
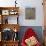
(30, 13)
(5, 12)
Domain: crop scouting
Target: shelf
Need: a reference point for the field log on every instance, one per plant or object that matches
(5, 8)
(9, 10)
(6, 24)
(11, 41)
(11, 26)
(5, 12)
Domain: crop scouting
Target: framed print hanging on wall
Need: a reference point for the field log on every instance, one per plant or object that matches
(30, 13)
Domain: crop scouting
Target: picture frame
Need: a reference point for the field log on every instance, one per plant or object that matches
(30, 13)
(5, 12)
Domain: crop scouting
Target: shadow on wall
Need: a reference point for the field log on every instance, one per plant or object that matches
(37, 29)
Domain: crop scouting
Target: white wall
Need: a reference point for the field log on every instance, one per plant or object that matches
(39, 12)
(23, 4)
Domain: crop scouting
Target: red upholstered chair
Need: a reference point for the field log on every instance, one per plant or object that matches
(29, 33)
